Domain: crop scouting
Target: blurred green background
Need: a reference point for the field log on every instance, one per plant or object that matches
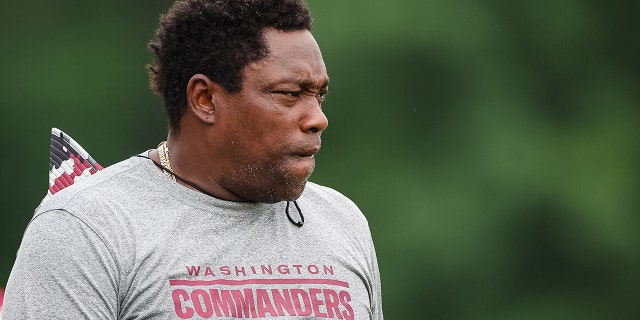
(493, 145)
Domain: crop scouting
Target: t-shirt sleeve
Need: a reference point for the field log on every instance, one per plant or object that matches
(376, 301)
(63, 270)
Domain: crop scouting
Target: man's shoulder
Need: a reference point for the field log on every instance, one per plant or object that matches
(331, 201)
(104, 184)
(317, 190)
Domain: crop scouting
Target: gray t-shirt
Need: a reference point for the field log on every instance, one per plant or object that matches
(129, 243)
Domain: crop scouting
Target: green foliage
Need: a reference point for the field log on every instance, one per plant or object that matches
(493, 146)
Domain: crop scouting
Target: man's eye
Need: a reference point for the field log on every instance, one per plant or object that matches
(289, 93)
(321, 95)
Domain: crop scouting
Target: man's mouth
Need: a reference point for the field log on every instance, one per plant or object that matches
(308, 152)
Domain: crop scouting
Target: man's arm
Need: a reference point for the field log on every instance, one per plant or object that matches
(376, 301)
(63, 270)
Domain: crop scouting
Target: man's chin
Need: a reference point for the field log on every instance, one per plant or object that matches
(286, 183)
(286, 192)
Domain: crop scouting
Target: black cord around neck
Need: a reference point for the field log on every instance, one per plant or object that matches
(191, 184)
(297, 223)
(197, 187)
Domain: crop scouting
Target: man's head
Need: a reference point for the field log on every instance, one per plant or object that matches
(217, 38)
(246, 116)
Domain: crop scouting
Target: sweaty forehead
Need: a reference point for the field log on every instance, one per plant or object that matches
(293, 56)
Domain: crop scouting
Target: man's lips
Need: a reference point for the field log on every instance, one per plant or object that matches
(308, 152)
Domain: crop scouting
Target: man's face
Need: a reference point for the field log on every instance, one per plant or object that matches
(271, 129)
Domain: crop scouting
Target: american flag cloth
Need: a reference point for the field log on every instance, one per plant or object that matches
(68, 162)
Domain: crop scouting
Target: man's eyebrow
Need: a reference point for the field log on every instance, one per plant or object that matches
(303, 82)
(306, 83)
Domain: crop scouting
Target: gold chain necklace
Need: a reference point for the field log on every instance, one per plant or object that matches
(163, 154)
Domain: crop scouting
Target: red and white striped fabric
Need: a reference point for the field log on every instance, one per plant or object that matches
(68, 162)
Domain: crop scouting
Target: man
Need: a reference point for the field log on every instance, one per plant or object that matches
(219, 221)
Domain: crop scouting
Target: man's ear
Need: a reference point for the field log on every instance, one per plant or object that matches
(200, 97)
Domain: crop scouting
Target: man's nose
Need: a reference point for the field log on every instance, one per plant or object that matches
(315, 120)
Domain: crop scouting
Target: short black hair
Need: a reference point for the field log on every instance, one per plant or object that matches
(217, 38)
